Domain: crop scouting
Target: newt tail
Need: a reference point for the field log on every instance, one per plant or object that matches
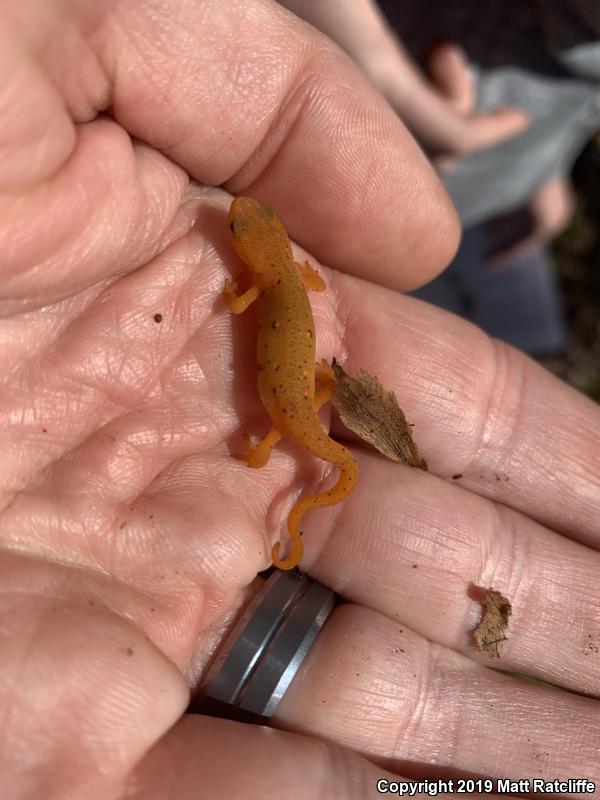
(348, 467)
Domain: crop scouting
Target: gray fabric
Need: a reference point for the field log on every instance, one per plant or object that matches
(543, 56)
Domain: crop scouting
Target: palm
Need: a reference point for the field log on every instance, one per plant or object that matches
(129, 534)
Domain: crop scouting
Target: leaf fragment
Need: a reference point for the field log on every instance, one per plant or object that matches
(373, 413)
(491, 631)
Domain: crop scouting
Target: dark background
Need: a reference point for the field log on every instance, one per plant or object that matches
(577, 257)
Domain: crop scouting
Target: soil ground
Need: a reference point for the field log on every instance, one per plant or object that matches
(577, 257)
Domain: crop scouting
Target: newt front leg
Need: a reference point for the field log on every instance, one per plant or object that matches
(238, 303)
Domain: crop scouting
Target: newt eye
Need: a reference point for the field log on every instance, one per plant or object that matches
(237, 226)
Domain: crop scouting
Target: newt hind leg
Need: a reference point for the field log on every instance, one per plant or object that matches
(325, 377)
(257, 455)
(310, 277)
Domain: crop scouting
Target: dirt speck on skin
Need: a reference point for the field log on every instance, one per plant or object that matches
(591, 647)
(491, 631)
(373, 413)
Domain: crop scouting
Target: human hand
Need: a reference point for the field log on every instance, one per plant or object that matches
(120, 562)
(439, 105)
(547, 214)
(126, 550)
(443, 112)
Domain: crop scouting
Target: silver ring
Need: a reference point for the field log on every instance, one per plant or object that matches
(266, 648)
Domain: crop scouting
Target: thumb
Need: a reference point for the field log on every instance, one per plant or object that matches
(448, 69)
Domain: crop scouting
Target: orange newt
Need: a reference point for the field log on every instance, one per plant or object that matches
(285, 365)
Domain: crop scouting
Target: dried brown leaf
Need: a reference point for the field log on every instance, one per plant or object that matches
(373, 413)
(490, 633)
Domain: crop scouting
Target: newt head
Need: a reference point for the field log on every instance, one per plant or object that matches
(259, 237)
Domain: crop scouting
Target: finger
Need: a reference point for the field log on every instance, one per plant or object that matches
(93, 205)
(549, 211)
(372, 685)
(481, 408)
(413, 546)
(487, 129)
(317, 119)
(77, 194)
(110, 208)
(420, 704)
(448, 68)
(198, 752)
(552, 206)
(85, 691)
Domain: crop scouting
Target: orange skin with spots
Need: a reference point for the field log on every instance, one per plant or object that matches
(285, 366)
